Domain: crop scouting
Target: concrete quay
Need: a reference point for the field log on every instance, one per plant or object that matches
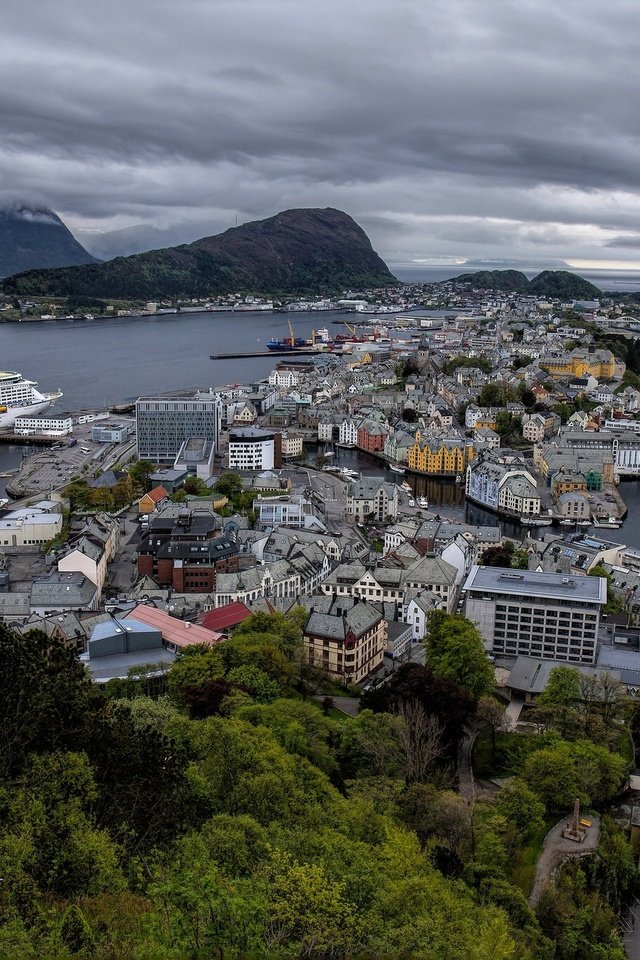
(50, 470)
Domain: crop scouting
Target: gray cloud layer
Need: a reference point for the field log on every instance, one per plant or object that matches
(447, 128)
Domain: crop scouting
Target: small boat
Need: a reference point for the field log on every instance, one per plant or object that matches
(459, 478)
(611, 522)
(405, 486)
(396, 468)
(346, 472)
(423, 502)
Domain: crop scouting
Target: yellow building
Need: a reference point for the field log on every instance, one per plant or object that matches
(486, 423)
(582, 361)
(440, 457)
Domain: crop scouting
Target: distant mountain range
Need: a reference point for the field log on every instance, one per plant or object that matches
(297, 251)
(560, 284)
(35, 237)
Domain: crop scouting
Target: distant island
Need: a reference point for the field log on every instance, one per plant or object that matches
(33, 237)
(556, 284)
(296, 251)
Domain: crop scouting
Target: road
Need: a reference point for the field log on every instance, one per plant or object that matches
(556, 849)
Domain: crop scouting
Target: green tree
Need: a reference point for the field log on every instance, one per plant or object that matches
(563, 771)
(49, 818)
(46, 696)
(229, 485)
(140, 473)
(615, 603)
(521, 806)
(455, 651)
(309, 912)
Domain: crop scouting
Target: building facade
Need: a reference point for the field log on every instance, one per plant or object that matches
(543, 615)
(251, 449)
(164, 423)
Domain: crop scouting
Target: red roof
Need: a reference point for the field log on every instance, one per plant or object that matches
(178, 632)
(157, 494)
(230, 615)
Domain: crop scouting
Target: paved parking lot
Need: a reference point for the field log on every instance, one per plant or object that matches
(52, 468)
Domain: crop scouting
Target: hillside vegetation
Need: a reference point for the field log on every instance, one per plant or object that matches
(296, 251)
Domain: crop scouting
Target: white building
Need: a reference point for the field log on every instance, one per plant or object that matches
(29, 526)
(44, 426)
(251, 449)
(288, 511)
(325, 431)
(372, 497)
(348, 433)
(284, 378)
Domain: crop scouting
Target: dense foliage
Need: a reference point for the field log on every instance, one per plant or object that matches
(233, 816)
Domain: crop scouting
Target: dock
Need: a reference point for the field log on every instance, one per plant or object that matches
(265, 353)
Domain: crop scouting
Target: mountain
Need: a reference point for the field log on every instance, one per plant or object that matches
(496, 280)
(140, 238)
(559, 284)
(563, 285)
(34, 237)
(297, 251)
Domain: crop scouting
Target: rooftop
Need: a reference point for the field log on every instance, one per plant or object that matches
(529, 583)
(173, 631)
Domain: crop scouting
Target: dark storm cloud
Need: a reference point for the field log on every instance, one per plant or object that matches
(459, 127)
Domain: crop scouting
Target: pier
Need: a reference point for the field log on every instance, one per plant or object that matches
(265, 353)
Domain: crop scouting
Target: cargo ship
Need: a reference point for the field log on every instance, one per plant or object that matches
(319, 340)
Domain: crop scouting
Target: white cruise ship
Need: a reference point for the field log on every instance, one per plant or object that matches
(19, 398)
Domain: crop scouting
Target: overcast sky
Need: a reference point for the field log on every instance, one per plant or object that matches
(447, 128)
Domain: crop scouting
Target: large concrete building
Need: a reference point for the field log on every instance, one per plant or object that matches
(544, 615)
(164, 423)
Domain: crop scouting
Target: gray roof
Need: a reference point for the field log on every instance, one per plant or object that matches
(14, 605)
(119, 665)
(528, 583)
(67, 590)
(432, 569)
(338, 620)
(531, 675)
(88, 548)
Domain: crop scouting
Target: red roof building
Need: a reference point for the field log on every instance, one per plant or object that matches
(226, 618)
(175, 633)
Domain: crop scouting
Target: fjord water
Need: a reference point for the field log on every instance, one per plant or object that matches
(98, 362)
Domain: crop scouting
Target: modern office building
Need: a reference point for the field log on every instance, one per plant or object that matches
(544, 615)
(251, 449)
(164, 423)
